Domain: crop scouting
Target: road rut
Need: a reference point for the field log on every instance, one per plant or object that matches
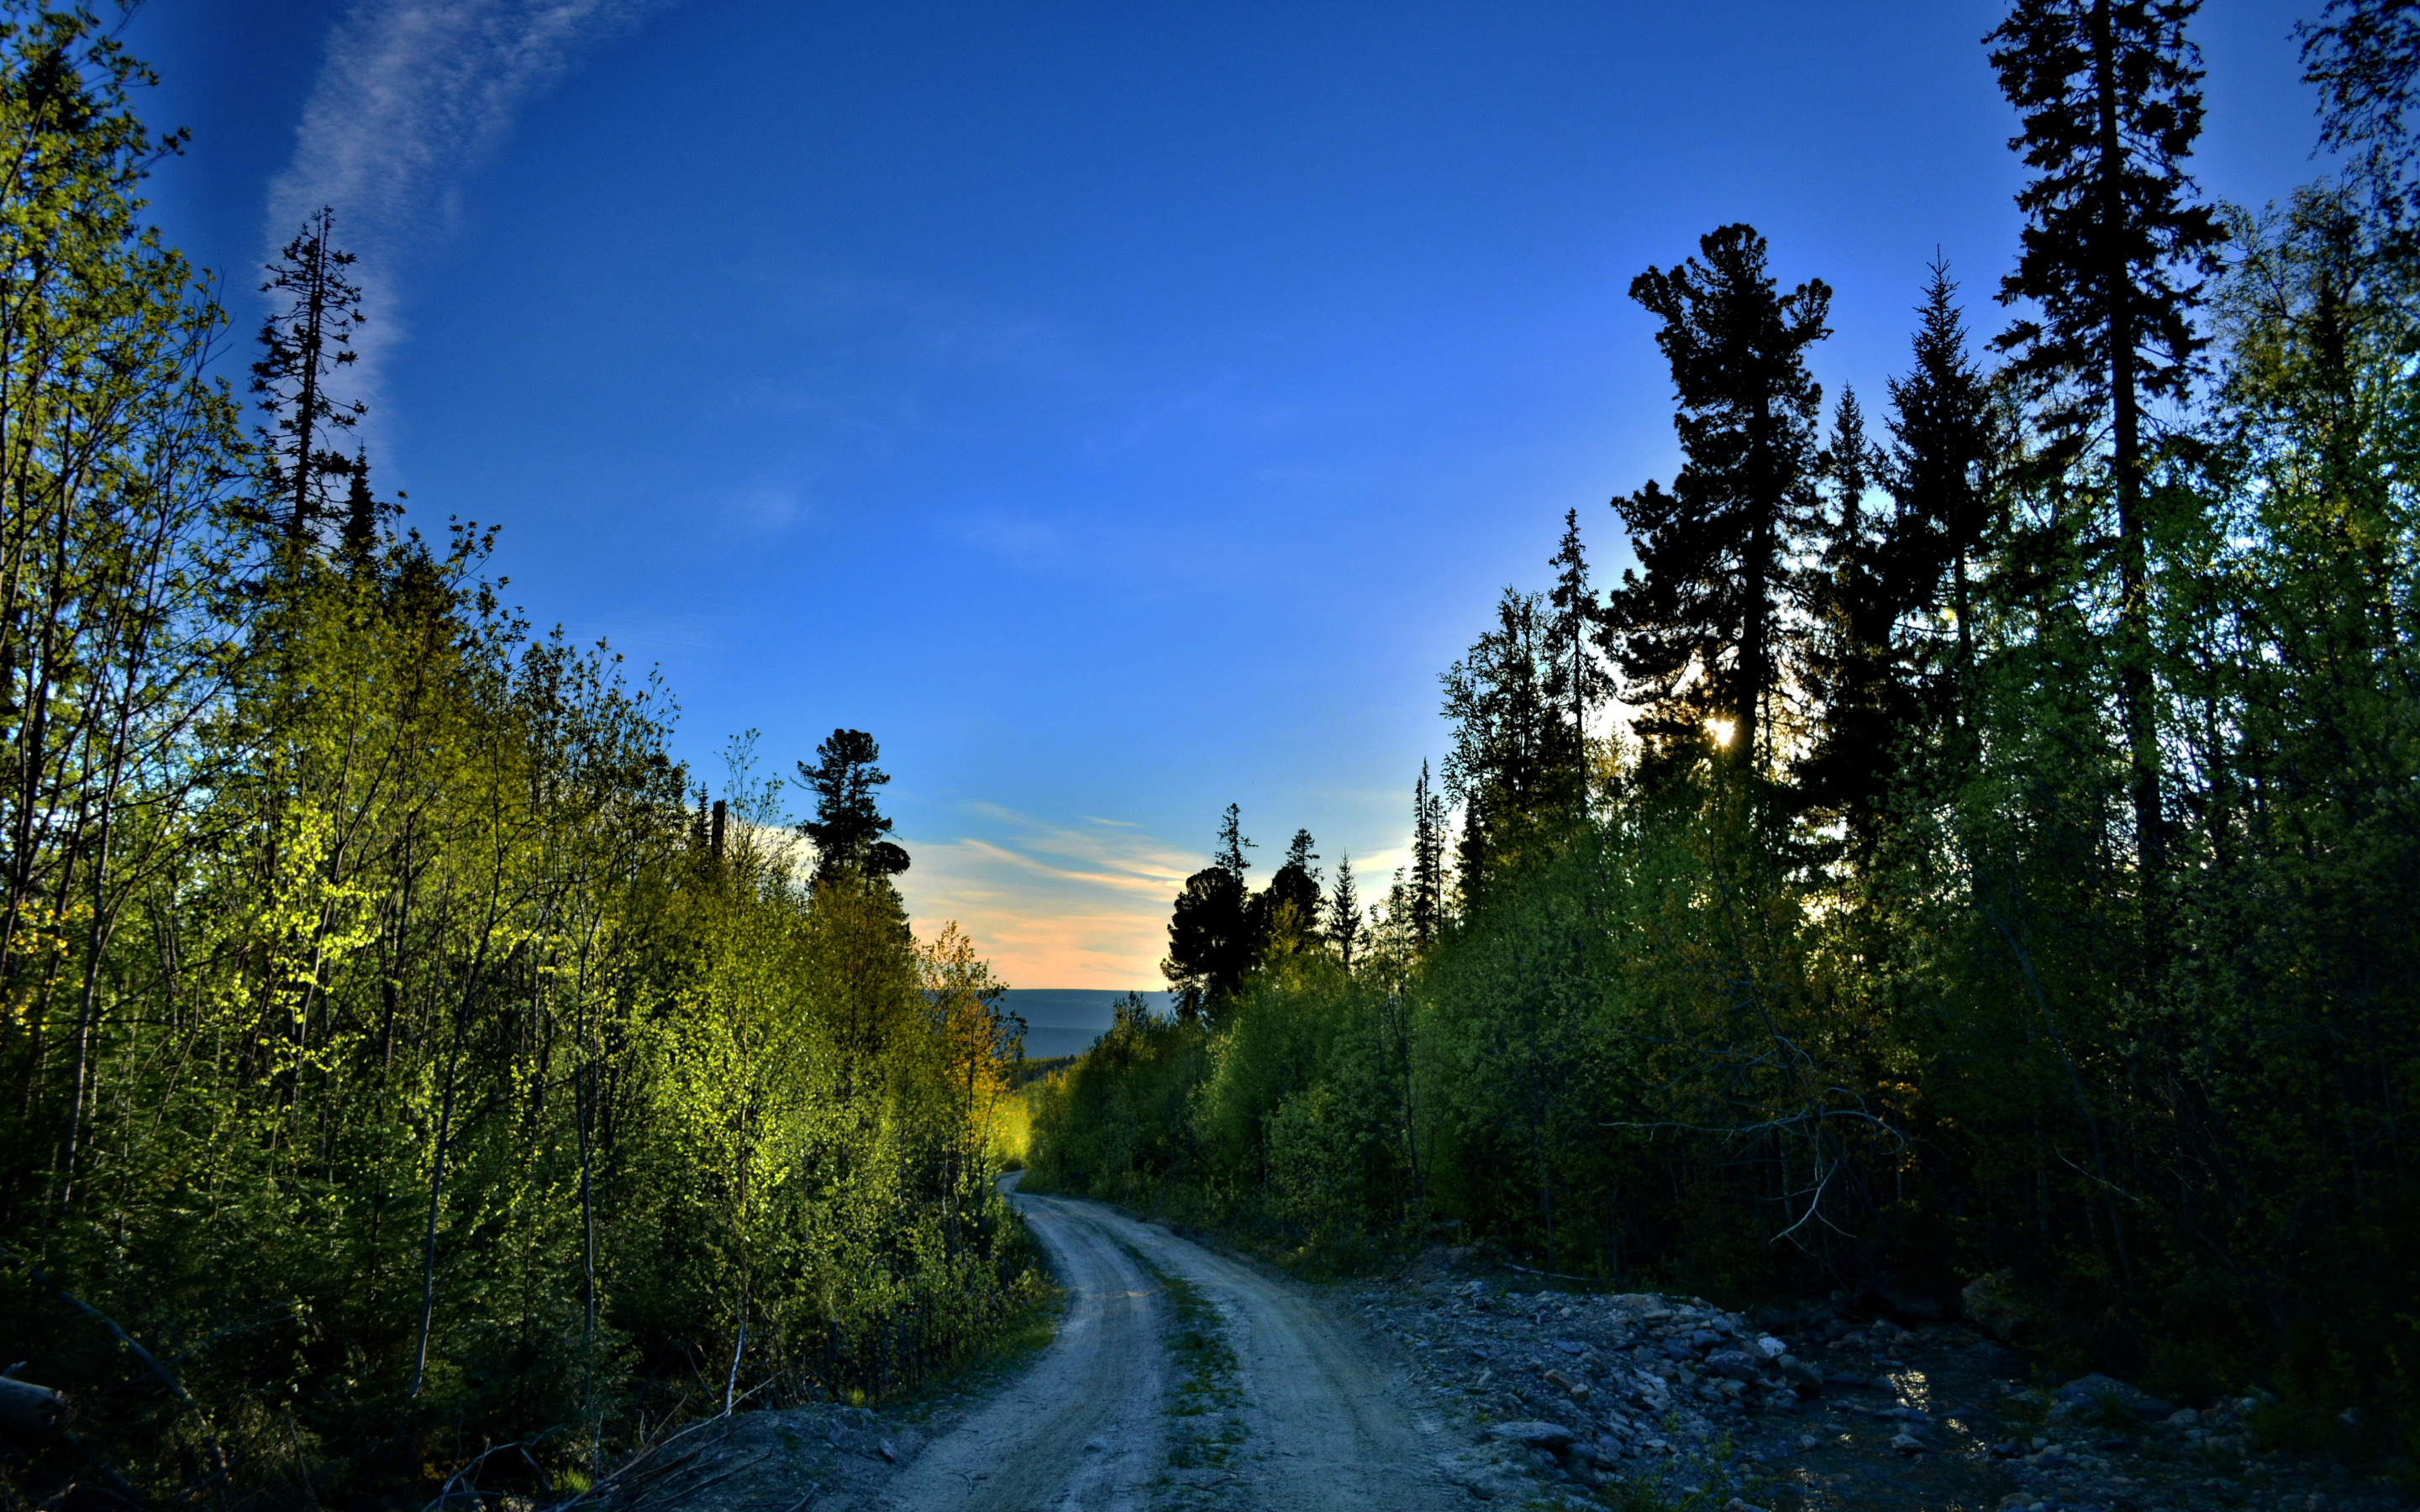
(1082, 1429)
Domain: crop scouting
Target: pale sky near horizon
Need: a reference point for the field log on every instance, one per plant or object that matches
(1118, 411)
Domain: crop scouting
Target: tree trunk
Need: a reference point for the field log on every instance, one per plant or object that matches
(2135, 675)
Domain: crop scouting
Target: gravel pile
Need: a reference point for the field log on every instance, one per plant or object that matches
(1571, 1395)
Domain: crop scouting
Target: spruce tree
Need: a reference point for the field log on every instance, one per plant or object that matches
(1507, 768)
(1576, 682)
(1850, 664)
(1944, 446)
(1697, 630)
(363, 513)
(2113, 256)
(301, 348)
(1428, 861)
(1345, 923)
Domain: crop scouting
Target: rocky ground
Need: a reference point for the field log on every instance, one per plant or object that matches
(1644, 1399)
(1529, 1394)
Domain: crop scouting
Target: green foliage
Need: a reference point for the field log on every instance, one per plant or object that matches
(2090, 965)
(389, 1056)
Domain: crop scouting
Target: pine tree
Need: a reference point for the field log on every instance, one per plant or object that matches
(1697, 630)
(1294, 887)
(847, 829)
(2365, 58)
(300, 349)
(1300, 854)
(1232, 845)
(2113, 256)
(1211, 938)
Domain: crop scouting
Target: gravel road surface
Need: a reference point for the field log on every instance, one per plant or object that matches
(1083, 1429)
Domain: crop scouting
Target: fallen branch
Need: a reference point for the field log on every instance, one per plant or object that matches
(1551, 1275)
(124, 1338)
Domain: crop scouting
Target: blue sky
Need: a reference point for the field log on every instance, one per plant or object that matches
(1120, 411)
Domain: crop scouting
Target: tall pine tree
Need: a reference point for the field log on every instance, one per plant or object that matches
(1697, 629)
(2114, 253)
(847, 828)
(301, 348)
(1290, 904)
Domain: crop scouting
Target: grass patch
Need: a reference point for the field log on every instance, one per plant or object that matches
(1698, 1483)
(1204, 1430)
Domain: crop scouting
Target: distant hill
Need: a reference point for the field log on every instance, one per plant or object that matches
(1064, 1021)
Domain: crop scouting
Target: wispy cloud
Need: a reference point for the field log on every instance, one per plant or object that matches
(1054, 904)
(412, 94)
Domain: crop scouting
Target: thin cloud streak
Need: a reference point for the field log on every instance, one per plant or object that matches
(412, 95)
(1053, 905)
(1073, 905)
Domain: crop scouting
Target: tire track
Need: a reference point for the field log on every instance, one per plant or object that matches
(1326, 1422)
(1078, 1431)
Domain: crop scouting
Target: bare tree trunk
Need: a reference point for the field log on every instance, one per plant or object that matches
(436, 1197)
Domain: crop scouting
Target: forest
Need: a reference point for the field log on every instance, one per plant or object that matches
(413, 1084)
(1970, 864)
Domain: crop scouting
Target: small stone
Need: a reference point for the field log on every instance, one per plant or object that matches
(1533, 1435)
(1732, 1363)
(1808, 1441)
(1094, 1446)
(2095, 1389)
(890, 1456)
(2184, 1417)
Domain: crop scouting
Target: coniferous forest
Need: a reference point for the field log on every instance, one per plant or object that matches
(411, 1079)
(1972, 860)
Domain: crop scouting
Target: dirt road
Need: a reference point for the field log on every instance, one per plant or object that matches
(1082, 1429)
(1325, 1426)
